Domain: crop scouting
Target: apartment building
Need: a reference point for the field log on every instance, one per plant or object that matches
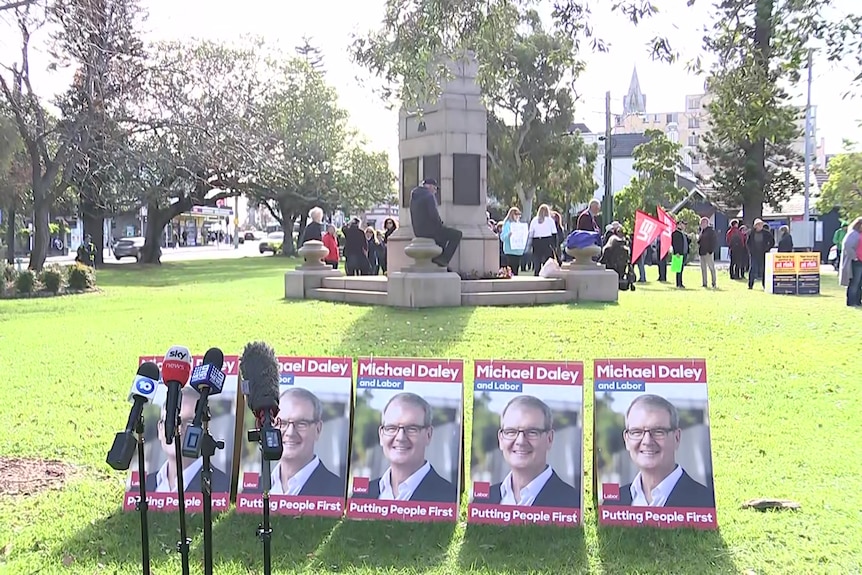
(688, 126)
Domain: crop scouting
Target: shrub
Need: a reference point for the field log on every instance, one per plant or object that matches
(52, 278)
(9, 273)
(81, 277)
(25, 283)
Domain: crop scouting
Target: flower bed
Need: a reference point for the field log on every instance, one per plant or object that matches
(52, 281)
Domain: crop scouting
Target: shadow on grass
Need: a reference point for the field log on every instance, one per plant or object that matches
(637, 550)
(191, 272)
(523, 549)
(295, 541)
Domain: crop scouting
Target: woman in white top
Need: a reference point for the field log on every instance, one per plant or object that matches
(543, 231)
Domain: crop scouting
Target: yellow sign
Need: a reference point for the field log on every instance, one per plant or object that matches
(808, 263)
(785, 264)
(236, 221)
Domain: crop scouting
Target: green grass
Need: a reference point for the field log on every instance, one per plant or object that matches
(784, 375)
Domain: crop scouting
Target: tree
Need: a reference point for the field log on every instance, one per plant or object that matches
(13, 180)
(363, 179)
(202, 101)
(530, 114)
(759, 45)
(110, 62)
(312, 55)
(302, 134)
(842, 189)
(656, 163)
(52, 143)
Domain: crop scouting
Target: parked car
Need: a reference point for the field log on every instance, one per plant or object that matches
(128, 248)
(272, 243)
(249, 236)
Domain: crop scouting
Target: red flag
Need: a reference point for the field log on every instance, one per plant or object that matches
(669, 228)
(647, 229)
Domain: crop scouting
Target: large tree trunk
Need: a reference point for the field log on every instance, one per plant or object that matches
(41, 232)
(288, 218)
(752, 204)
(156, 222)
(10, 235)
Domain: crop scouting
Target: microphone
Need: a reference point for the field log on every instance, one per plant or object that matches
(207, 379)
(143, 391)
(176, 369)
(259, 370)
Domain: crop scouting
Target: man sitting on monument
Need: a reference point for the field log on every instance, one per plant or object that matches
(427, 223)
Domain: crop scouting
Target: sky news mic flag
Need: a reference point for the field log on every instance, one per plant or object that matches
(176, 369)
(143, 391)
(207, 379)
(259, 368)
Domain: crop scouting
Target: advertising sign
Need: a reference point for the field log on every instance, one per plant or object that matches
(651, 443)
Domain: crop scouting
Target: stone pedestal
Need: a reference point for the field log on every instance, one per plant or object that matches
(422, 251)
(421, 290)
(449, 144)
(310, 274)
(587, 280)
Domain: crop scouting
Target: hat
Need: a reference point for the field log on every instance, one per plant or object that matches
(616, 225)
(430, 182)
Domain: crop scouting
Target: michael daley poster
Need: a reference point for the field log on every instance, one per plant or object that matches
(159, 456)
(652, 443)
(406, 450)
(314, 420)
(527, 450)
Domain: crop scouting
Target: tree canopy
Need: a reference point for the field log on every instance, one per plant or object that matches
(656, 163)
(842, 189)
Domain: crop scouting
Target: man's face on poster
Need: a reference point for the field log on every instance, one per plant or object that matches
(650, 439)
(403, 434)
(524, 439)
(187, 415)
(300, 430)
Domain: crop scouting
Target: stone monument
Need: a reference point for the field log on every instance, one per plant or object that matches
(587, 280)
(449, 143)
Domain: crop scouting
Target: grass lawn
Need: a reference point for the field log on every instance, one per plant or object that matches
(785, 416)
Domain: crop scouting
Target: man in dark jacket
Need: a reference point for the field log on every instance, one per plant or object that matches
(707, 242)
(760, 241)
(679, 244)
(427, 223)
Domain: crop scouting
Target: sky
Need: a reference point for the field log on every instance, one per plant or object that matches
(664, 85)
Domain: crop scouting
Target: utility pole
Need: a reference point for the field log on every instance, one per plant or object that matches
(805, 214)
(607, 199)
(235, 222)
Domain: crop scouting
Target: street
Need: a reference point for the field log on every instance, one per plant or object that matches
(222, 251)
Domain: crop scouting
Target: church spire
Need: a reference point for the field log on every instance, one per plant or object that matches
(634, 102)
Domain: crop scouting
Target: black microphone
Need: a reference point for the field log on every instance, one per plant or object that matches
(143, 391)
(207, 379)
(259, 370)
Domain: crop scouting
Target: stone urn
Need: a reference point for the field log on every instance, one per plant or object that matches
(313, 252)
(583, 257)
(422, 251)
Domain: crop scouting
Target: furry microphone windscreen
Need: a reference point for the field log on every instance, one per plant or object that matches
(260, 368)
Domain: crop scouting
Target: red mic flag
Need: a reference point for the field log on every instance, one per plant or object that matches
(647, 229)
(669, 227)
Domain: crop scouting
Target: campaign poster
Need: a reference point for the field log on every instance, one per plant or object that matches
(406, 451)
(527, 446)
(314, 420)
(808, 273)
(781, 273)
(160, 471)
(652, 445)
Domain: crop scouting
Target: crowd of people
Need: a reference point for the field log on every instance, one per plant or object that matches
(529, 247)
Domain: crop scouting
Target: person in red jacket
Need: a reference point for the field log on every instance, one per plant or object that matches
(331, 242)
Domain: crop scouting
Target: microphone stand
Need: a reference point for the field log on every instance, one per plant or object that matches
(264, 530)
(208, 448)
(141, 506)
(184, 542)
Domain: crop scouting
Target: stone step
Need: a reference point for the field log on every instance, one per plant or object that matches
(535, 297)
(361, 283)
(371, 297)
(515, 284)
